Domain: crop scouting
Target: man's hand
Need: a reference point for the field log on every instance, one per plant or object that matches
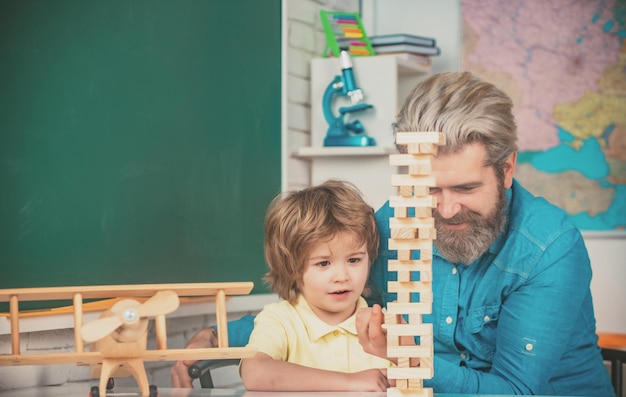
(372, 336)
(180, 371)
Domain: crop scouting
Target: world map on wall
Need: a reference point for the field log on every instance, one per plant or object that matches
(564, 65)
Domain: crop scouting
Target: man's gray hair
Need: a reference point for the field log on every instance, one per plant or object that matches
(467, 110)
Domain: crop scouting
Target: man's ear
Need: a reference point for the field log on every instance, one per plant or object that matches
(509, 170)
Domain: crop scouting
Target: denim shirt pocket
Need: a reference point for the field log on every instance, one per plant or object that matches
(481, 323)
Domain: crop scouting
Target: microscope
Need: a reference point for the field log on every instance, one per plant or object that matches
(340, 132)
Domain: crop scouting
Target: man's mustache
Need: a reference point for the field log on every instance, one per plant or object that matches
(465, 216)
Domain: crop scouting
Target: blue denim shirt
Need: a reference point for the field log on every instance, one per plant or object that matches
(519, 320)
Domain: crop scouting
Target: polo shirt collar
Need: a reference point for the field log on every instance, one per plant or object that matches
(317, 328)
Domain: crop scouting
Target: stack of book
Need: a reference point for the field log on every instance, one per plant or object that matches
(415, 48)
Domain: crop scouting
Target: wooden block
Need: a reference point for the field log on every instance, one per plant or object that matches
(426, 212)
(420, 169)
(402, 384)
(414, 266)
(404, 255)
(426, 362)
(412, 180)
(429, 233)
(426, 254)
(426, 297)
(421, 191)
(426, 340)
(404, 276)
(415, 384)
(409, 373)
(391, 318)
(405, 191)
(409, 329)
(410, 244)
(430, 148)
(426, 275)
(408, 308)
(400, 212)
(412, 222)
(404, 296)
(407, 159)
(396, 392)
(403, 138)
(423, 287)
(414, 201)
(403, 232)
(403, 362)
(413, 148)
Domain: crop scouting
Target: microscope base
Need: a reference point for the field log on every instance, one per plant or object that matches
(349, 141)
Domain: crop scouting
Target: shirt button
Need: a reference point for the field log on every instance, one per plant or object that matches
(486, 318)
(338, 352)
(336, 333)
(448, 320)
(463, 356)
(454, 270)
(529, 346)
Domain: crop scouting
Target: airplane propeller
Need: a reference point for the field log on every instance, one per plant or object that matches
(129, 318)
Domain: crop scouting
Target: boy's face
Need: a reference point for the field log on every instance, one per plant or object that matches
(335, 275)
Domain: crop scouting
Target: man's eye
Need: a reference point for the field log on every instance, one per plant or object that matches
(466, 189)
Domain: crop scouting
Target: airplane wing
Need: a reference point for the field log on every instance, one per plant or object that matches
(86, 358)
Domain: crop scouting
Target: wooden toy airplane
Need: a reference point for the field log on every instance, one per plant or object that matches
(118, 338)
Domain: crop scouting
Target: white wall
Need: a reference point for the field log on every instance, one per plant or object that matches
(304, 40)
(439, 19)
(608, 261)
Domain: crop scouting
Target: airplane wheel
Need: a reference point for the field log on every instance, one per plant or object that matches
(153, 391)
(95, 392)
(110, 384)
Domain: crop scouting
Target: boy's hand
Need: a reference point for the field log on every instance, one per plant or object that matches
(372, 336)
(369, 380)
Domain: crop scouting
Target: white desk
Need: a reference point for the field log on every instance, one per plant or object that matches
(82, 390)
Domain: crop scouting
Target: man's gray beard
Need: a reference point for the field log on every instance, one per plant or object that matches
(467, 245)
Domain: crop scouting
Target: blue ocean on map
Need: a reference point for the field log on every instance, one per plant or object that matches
(589, 160)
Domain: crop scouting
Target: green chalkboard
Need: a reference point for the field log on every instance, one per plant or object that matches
(139, 140)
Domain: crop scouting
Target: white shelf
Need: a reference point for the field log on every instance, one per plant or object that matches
(342, 151)
(386, 81)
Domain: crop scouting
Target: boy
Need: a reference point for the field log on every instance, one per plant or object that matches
(319, 245)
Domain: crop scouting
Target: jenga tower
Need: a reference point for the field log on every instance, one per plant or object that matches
(412, 231)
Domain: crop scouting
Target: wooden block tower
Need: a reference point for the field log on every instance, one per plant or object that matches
(412, 230)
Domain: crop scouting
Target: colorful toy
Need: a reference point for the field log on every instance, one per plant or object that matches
(412, 230)
(118, 338)
(344, 30)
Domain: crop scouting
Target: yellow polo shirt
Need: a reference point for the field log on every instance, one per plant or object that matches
(295, 334)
